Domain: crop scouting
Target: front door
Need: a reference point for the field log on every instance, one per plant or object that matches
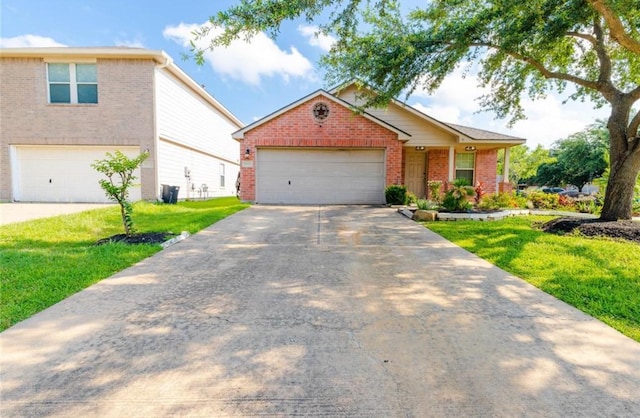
(416, 173)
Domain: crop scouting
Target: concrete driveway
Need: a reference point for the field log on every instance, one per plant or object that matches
(21, 212)
(331, 311)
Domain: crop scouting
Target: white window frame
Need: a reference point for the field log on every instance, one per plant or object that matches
(473, 169)
(73, 84)
(222, 176)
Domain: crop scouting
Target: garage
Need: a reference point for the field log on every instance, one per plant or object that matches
(61, 173)
(320, 176)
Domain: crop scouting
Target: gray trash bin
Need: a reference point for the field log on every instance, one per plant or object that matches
(170, 193)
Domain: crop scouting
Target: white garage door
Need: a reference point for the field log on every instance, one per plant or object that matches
(304, 176)
(62, 173)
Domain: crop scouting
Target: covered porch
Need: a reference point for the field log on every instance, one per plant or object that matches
(476, 163)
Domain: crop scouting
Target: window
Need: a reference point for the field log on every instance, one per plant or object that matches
(72, 83)
(465, 166)
(222, 176)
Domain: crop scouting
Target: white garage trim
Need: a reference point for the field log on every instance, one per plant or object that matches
(62, 173)
(320, 176)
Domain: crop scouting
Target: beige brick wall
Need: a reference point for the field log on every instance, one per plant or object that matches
(124, 114)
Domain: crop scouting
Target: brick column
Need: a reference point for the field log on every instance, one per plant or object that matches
(505, 187)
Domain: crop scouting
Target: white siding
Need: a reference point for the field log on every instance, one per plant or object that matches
(204, 170)
(185, 117)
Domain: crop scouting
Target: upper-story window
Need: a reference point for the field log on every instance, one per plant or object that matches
(72, 83)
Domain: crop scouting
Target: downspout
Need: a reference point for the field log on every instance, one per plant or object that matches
(164, 63)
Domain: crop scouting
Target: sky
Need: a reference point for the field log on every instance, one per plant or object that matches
(255, 79)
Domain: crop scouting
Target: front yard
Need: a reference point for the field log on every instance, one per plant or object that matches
(599, 276)
(46, 260)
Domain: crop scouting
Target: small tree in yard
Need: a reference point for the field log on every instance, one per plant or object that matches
(119, 171)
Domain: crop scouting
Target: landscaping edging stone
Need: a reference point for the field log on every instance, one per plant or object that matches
(175, 240)
(495, 216)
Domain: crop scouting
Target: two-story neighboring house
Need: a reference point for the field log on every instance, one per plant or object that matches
(63, 108)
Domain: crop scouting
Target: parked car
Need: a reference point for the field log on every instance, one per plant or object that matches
(552, 189)
(571, 193)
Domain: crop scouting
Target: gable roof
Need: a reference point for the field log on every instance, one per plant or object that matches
(465, 133)
(162, 59)
(239, 134)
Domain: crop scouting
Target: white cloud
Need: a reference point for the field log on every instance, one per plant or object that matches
(315, 38)
(247, 61)
(130, 43)
(28, 41)
(547, 119)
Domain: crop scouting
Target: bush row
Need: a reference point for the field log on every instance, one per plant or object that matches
(461, 197)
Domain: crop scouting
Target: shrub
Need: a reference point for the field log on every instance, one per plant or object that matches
(541, 200)
(588, 204)
(566, 202)
(395, 194)
(410, 198)
(478, 192)
(496, 201)
(424, 204)
(455, 200)
(435, 186)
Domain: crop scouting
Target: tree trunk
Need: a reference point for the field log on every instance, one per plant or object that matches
(620, 188)
(625, 165)
(123, 215)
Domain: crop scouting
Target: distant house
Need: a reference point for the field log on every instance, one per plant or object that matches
(63, 108)
(318, 151)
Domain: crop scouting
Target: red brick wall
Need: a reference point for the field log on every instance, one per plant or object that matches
(486, 169)
(438, 165)
(342, 129)
(505, 187)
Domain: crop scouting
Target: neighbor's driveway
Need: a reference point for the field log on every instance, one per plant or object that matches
(334, 311)
(21, 212)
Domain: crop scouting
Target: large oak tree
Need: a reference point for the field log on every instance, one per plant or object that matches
(519, 47)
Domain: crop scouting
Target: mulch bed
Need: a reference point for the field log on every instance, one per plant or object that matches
(627, 230)
(143, 238)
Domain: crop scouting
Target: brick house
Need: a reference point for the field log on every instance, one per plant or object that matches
(318, 151)
(63, 108)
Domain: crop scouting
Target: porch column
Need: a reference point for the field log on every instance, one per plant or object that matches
(505, 186)
(452, 165)
(505, 173)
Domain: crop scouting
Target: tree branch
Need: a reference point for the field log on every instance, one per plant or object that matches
(604, 78)
(632, 131)
(542, 69)
(584, 36)
(616, 28)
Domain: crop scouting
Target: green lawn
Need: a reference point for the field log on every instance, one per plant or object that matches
(598, 276)
(46, 260)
